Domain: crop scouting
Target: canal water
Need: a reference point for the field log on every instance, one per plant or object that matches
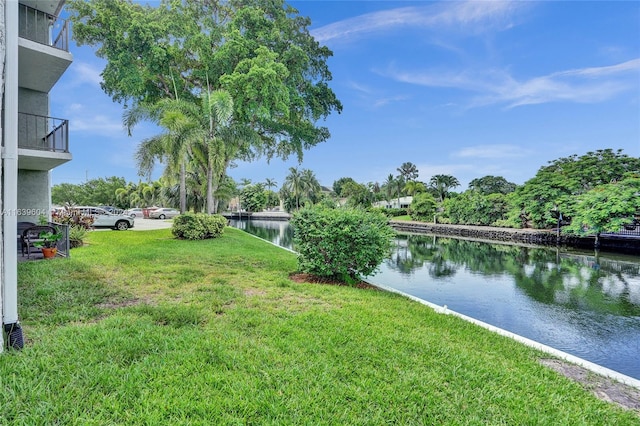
(579, 302)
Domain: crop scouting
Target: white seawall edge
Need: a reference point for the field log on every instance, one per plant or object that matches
(598, 369)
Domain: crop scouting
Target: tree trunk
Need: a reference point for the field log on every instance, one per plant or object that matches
(210, 186)
(183, 187)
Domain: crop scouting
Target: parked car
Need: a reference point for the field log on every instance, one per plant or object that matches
(136, 212)
(104, 219)
(163, 213)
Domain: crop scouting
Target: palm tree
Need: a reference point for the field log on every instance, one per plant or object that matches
(270, 183)
(441, 184)
(408, 171)
(389, 187)
(414, 187)
(170, 147)
(293, 184)
(311, 186)
(203, 126)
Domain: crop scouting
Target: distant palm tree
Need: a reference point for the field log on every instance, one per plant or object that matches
(311, 186)
(389, 186)
(270, 183)
(297, 184)
(442, 184)
(408, 171)
(414, 187)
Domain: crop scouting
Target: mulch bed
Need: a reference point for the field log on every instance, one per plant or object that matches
(300, 277)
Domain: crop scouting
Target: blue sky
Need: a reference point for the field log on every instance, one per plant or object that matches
(462, 88)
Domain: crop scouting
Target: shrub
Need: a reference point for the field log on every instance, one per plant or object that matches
(340, 243)
(73, 218)
(389, 212)
(198, 226)
(423, 207)
(77, 234)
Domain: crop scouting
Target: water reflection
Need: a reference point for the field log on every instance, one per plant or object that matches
(276, 231)
(576, 280)
(578, 302)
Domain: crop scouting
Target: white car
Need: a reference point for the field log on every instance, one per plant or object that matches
(163, 213)
(104, 219)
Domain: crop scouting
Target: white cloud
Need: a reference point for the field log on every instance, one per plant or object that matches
(85, 72)
(492, 151)
(384, 101)
(100, 124)
(468, 16)
(586, 85)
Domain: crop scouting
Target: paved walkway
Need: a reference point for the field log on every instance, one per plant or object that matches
(142, 224)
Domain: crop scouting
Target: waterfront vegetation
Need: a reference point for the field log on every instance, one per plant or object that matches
(142, 328)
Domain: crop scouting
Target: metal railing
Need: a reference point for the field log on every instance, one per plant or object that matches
(629, 230)
(43, 28)
(43, 133)
(63, 244)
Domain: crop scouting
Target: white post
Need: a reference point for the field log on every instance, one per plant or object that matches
(10, 172)
(2, 61)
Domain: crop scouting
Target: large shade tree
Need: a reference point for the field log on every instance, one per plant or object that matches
(555, 187)
(606, 208)
(260, 52)
(492, 185)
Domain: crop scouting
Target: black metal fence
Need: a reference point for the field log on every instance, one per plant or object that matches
(43, 28)
(43, 133)
(63, 244)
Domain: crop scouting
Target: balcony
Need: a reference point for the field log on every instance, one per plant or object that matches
(43, 142)
(43, 28)
(43, 44)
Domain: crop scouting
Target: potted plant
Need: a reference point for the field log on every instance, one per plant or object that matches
(48, 243)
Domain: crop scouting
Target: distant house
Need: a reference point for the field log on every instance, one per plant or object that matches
(394, 203)
(34, 44)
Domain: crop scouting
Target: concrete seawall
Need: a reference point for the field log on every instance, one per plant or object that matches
(630, 245)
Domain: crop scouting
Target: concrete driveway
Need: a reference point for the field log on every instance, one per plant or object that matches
(142, 224)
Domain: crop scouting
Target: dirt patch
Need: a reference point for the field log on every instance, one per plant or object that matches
(602, 387)
(123, 303)
(314, 279)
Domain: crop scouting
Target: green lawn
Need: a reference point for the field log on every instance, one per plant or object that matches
(140, 329)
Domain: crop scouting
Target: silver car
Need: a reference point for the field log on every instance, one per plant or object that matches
(136, 212)
(163, 213)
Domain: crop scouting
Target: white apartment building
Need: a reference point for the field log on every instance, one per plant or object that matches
(34, 54)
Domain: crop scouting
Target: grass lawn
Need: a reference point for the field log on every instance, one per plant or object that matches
(140, 329)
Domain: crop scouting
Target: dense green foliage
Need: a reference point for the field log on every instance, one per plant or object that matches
(340, 243)
(260, 52)
(94, 192)
(300, 188)
(358, 195)
(475, 208)
(198, 226)
(492, 185)
(607, 207)
(139, 328)
(558, 185)
(253, 198)
(423, 207)
(339, 184)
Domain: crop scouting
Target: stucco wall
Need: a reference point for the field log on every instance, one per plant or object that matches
(34, 195)
(33, 102)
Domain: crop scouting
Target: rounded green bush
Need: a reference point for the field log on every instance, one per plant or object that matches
(340, 243)
(198, 226)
